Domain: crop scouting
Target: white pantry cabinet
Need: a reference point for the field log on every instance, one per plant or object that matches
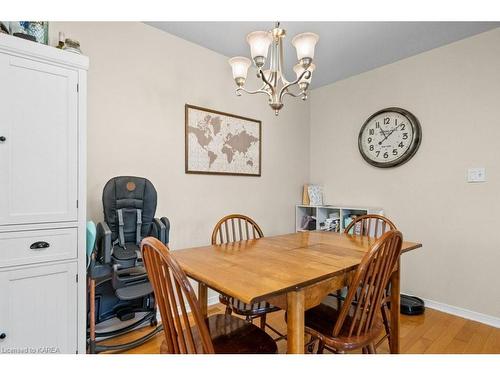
(39, 148)
(42, 198)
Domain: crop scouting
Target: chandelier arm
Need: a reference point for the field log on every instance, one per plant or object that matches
(262, 88)
(301, 94)
(266, 82)
(284, 89)
(264, 85)
(259, 91)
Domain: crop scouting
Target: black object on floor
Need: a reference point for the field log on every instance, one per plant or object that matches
(411, 305)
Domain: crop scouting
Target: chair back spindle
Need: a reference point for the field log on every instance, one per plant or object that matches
(172, 290)
(368, 286)
(370, 225)
(235, 227)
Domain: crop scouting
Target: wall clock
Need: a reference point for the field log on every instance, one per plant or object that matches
(389, 137)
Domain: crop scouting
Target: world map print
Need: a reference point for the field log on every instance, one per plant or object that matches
(221, 143)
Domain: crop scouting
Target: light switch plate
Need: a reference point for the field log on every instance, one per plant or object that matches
(476, 175)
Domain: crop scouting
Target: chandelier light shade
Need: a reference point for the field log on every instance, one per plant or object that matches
(274, 84)
(304, 44)
(240, 67)
(259, 46)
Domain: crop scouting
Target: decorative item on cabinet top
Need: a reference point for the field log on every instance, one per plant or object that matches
(71, 45)
(221, 143)
(4, 28)
(36, 31)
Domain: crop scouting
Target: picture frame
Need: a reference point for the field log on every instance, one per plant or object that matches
(315, 193)
(39, 30)
(221, 143)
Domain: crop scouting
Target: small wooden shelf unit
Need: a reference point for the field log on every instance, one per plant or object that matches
(322, 212)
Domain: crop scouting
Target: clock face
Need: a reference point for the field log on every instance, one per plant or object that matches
(389, 137)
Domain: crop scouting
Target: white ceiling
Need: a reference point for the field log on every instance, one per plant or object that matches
(344, 49)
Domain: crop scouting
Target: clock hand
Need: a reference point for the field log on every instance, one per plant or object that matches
(385, 137)
(388, 135)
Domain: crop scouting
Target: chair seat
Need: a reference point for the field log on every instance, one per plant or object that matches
(246, 309)
(232, 335)
(127, 253)
(320, 322)
(134, 291)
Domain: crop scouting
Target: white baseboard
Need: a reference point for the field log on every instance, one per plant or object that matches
(464, 313)
(213, 300)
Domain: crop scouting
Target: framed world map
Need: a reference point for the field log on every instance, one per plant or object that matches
(222, 143)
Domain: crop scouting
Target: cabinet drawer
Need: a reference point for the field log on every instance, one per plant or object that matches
(26, 247)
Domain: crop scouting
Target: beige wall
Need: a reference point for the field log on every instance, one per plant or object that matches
(139, 80)
(455, 93)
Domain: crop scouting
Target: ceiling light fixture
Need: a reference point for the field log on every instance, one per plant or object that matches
(275, 85)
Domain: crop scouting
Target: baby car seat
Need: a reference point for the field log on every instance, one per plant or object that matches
(118, 282)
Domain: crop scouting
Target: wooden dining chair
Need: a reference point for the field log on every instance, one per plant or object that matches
(174, 295)
(358, 322)
(232, 228)
(370, 225)
(374, 226)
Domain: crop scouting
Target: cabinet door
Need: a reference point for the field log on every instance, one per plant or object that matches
(38, 142)
(38, 311)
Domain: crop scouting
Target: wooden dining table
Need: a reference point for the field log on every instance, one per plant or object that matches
(293, 271)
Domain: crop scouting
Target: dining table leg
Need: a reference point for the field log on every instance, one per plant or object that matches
(395, 308)
(295, 322)
(203, 299)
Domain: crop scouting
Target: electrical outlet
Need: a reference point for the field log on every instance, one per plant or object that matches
(476, 175)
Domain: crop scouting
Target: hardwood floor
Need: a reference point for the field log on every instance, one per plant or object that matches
(434, 332)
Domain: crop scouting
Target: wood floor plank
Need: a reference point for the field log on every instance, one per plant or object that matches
(477, 341)
(456, 346)
(419, 346)
(425, 323)
(492, 344)
(447, 333)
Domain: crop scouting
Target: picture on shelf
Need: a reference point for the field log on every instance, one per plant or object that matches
(315, 193)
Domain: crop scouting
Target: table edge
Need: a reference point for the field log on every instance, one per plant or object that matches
(413, 246)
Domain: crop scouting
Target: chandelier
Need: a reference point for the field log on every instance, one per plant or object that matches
(274, 83)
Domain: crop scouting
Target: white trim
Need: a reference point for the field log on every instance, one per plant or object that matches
(17, 46)
(214, 300)
(464, 313)
(82, 211)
